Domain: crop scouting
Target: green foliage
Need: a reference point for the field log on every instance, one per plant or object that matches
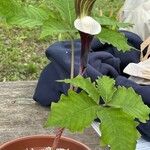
(118, 129)
(60, 20)
(106, 88)
(22, 55)
(57, 17)
(109, 8)
(9, 8)
(75, 112)
(127, 103)
(107, 21)
(114, 38)
(28, 16)
(86, 85)
(21, 15)
(117, 114)
(66, 10)
(55, 26)
(24, 42)
(110, 33)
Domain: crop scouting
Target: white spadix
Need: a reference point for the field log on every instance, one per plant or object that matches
(87, 25)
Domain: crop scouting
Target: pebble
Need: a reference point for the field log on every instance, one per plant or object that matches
(47, 148)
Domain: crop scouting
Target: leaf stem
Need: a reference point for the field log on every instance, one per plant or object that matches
(72, 62)
(57, 138)
(61, 130)
(72, 59)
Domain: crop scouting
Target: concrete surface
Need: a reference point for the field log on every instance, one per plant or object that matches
(21, 116)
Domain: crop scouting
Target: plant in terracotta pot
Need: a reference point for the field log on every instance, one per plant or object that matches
(118, 108)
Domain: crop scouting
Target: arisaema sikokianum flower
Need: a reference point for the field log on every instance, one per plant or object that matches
(87, 27)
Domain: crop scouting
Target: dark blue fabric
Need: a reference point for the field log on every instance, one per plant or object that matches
(127, 57)
(144, 129)
(104, 59)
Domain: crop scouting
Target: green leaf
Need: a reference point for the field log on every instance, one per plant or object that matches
(118, 129)
(61, 20)
(86, 85)
(124, 25)
(106, 88)
(131, 103)
(29, 17)
(9, 8)
(55, 26)
(114, 38)
(54, 17)
(107, 21)
(66, 10)
(74, 112)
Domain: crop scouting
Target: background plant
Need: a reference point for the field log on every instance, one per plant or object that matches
(22, 55)
(110, 8)
(25, 45)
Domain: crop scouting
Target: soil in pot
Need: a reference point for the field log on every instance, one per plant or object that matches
(46, 148)
(42, 142)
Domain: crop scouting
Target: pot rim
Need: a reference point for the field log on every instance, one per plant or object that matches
(42, 136)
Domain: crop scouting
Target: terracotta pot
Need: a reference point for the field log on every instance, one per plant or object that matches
(39, 142)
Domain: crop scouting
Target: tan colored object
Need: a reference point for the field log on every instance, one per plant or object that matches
(145, 44)
(140, 70)
(140, 80)
(140, 73)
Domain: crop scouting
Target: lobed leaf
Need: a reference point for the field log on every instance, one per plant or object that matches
(66, 9)
(131, 103)
(106, 88)
(118, 129)
(56, 19)
(86, 85)
(115, 38)
(9, 8)
(55, 26)
(74, 112)
(29, 17)
(107, 21)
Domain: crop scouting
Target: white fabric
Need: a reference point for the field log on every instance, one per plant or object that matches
(140, 80)
(137, 12)
(140, 70)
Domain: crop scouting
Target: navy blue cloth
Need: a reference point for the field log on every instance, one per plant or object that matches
(104, 59)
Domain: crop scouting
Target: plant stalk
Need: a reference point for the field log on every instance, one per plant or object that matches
(57, 138)
(60, 131)
(72, 59)
(86, 40)
(72, 63)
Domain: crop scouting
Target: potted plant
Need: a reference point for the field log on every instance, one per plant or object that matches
(119, 109)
